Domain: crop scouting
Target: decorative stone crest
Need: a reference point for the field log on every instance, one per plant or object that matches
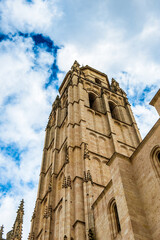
(50, 211)
(87, 176)
(47, 211)
(69, 181)
(66, 182)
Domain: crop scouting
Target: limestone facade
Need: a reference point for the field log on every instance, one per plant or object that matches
(98, 179)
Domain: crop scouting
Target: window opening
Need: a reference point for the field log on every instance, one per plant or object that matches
(117, 218)
(92, 99)
(113, 110)
(114, 217)
(97, 81)
(155, 160)
(158, 156)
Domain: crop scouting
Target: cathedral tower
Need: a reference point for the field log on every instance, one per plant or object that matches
(87, 188)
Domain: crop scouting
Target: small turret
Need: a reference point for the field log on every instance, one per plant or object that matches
(16, 232)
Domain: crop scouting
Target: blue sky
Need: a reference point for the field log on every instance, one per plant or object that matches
(39, 41)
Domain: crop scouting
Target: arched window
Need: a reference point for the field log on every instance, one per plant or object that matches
(92, 101)
(97, 81)
(114, 218)
(155, 159)
(117, 218)
(114, 110)
(158, 157)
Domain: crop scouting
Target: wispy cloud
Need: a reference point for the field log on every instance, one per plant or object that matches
(28, 16)
(39, 41)
(28, 60)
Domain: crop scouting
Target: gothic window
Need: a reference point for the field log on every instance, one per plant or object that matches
(114, 110)
(97, 81)
(155, 159)
(115, 223)
(92, 101)
(117, 218)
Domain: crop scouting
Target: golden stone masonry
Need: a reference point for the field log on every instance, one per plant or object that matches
(99, 180)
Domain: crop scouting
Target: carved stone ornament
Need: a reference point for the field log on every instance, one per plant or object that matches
(47, 211)
(31, 236)
(87, 176)
(51, 120)
(116, 88)
(66, 156)
(34, 214)
(50, 184)
(45, 214)
(69, 181)
(66, 182)
(56, 104)
(75, 67)
(86, 152)
(50, 211)
(90, 234)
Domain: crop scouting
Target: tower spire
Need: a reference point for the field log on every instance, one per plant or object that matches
(16, 232)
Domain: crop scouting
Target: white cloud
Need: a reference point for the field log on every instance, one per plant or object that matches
(110, 36)
(23, 122)
(146, 117)
(28, 17)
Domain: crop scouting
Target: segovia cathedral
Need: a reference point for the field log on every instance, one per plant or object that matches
(98, 180)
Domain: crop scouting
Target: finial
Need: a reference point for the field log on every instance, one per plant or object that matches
(116, 88)
(75, 66)
(1, 231)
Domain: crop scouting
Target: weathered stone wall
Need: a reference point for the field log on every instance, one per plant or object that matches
(148, 179)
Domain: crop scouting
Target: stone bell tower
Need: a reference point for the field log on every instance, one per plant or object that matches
(90, 135)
